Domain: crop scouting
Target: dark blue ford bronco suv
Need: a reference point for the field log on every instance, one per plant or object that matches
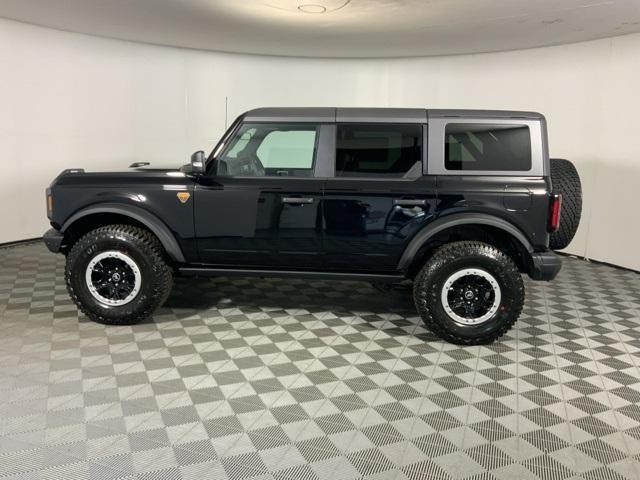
(460, 202)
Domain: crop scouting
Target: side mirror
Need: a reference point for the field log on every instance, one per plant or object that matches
(197, 162)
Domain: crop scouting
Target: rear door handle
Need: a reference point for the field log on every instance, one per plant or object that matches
(409, 202)
(297, 200)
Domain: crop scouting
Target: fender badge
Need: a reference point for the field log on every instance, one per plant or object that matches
(183, 196)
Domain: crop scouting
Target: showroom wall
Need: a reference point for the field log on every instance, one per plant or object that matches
(71, 100)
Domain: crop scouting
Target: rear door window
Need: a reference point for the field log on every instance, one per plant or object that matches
(477, 147)
(379, 151)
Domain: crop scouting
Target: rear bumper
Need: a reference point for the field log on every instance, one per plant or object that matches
(53, 240)
(546, 265)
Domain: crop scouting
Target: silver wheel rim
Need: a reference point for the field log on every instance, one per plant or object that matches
(124, 265)
(452, 288)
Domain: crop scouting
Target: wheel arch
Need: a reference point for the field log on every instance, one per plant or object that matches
(135, 215)
(466, 226)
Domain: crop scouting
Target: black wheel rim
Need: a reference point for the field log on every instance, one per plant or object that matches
(471, 296)
(113, 278)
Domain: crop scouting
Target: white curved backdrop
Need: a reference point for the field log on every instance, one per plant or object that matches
(70, 100)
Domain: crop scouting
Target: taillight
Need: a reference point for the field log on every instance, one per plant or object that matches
(555, 206)
(49, 203)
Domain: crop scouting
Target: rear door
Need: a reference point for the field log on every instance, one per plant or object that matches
(376, 197)
(261, 207)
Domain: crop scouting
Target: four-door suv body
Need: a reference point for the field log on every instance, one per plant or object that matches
(458, 201)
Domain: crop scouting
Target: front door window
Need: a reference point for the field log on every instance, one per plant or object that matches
(269, 150)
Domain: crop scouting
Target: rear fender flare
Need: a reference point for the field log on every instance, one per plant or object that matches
(441, 224)
(149, 220)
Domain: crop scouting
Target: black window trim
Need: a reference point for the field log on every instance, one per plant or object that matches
(474, 151)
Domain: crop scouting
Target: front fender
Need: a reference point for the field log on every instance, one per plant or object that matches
(152, 222)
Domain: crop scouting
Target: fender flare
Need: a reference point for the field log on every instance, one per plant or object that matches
(437, 226)
(149, 220)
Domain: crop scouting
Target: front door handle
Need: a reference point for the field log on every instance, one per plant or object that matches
(297, 200)
(409, 202)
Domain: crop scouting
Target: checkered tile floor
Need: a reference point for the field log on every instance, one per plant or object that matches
(293, 379)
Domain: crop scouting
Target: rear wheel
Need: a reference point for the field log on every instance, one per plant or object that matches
(117, 274)
(469, 293)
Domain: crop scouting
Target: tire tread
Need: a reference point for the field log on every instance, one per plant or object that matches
(152, 247)
(565, 180)
(441, 257)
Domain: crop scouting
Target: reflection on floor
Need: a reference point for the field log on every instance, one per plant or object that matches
(293, 379)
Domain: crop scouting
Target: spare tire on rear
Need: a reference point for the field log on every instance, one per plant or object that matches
(566, 181)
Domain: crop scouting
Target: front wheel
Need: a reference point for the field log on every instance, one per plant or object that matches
(117, 274)
(469, 293)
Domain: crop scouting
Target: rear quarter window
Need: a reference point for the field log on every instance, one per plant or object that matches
(487, 147)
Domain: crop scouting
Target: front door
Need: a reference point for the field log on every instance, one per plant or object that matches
(378, 197)
(261, 206)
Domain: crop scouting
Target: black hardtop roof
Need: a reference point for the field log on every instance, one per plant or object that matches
(366, 115)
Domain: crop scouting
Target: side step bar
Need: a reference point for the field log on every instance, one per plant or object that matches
(236, 272)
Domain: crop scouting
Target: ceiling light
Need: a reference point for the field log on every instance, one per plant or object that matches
(312, 8)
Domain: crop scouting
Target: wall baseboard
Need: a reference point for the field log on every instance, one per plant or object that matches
(599, 262)
(20, 242)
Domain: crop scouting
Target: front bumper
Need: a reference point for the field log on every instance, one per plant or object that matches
(53, 240)
(546, 265)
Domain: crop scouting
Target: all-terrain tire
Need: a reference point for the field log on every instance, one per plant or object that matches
(565, 180)
(456, 257)
(138, 245)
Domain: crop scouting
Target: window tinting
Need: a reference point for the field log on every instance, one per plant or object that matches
(392, 151)
(259, 150)
(288, 149)
(487, 147)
